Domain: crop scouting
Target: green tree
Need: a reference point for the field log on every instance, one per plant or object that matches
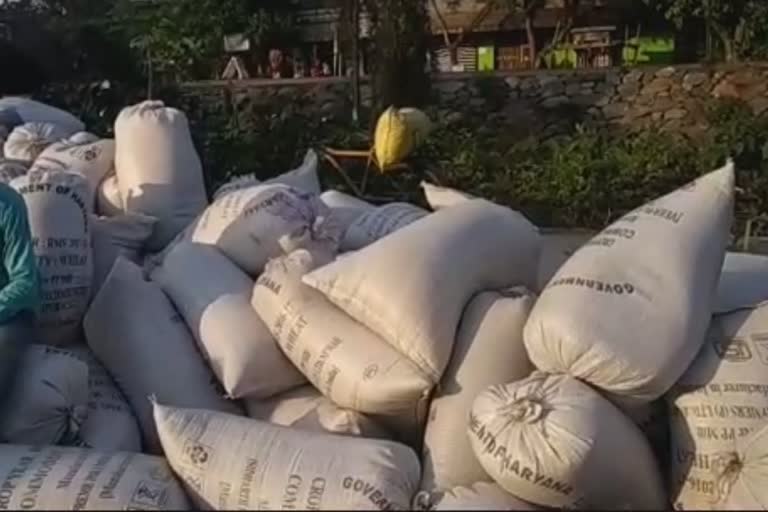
(183, 39)
(741, 26)
(87, 44)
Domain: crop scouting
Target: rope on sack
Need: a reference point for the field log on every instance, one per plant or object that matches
(727, 467)
(423, 502)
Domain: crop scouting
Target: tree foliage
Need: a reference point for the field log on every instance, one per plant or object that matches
(71, 40)
(741, 26)
(184, 38)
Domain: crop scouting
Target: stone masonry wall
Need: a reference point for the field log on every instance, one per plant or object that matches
(542, 102)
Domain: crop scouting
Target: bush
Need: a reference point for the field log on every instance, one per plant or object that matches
(585, 179)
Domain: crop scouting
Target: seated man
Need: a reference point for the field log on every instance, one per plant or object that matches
(19, 286)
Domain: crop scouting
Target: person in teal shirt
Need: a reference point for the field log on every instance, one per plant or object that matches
(19, 287)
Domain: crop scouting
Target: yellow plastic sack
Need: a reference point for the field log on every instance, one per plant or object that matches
(418, 124)
(398, 134)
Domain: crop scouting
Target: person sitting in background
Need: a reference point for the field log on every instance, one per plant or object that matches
(19, 287)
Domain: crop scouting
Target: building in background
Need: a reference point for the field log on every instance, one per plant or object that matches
(320, 28)
(599, 33)
(484, 37)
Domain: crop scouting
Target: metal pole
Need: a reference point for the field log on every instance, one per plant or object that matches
(355, 61)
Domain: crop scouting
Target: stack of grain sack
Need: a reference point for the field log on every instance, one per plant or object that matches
(289, 347)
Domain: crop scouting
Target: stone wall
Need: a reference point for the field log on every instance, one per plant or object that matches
(544, 102)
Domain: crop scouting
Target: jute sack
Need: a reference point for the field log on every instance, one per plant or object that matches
(375, 224)
(628, 311)
(48, 401)
(57, 478)
(554, 441)
(109, 202)
(743, 282)
(345, 209)
(159, 172)
(110, 425)
(94, 160)
(123, 235)
(136, 333)
(489, 351)
(32, 111)
(59, 221)
(347, 362)
(11, 169)
(480, 496)
(303, 178)
(305, 408)
(443, 197)
(214, 297)
(229, 462)
(27, 141)
(412, 286)
(249, 226)
(717, 409)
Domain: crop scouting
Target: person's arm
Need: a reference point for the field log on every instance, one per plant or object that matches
(23, 289)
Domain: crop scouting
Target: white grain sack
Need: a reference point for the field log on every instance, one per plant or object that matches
(32, 111)
(235, 184)
(94, 160)
(250, 226)
(345, 209)
(377, 223)
(159, 172)
(443, 197)
(303, 178)
(59, 220)
(228, 462)
(11, 169)
(347, 362)
(335, 199)
(27, 141)
(489, 351)
(109, 202)
(628, 312)
(716, 409)
(49, 399)
(557, 247)
(412, 286)
(57, 478)
(653, 421)
(123, 235)
(480, 496)
(83, 138)
(305, 408)
(110, 425)
(214, 297)
(555, 442)
(136, 333)
(743, 282)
